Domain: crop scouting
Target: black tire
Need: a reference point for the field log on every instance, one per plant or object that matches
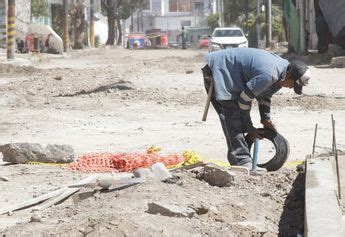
(282, 149)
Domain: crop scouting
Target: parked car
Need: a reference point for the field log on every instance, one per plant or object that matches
(138, 41)
(203, 41)
(230, 37)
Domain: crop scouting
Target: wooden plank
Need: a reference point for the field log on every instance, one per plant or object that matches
(53, 200)
(68, 192)
(32, 201)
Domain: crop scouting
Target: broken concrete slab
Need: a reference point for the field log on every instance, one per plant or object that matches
(157, 172)
(254, 225)
(160, 172)
(338, 62)
(171, 210)
(216, 176)
(145, 173)
(323, 215)
(21, 153)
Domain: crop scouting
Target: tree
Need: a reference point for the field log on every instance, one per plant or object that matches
(39, 8)
(243, 13)
(236, 12)
(111, 8)
(212, 21)
(116, 10)
(77, 14)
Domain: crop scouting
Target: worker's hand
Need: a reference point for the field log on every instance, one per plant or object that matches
(255, 134)
(268, 124)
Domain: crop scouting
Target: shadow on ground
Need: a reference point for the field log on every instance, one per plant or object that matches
(292, 219)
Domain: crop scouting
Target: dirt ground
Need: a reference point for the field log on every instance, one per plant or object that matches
(123, 101)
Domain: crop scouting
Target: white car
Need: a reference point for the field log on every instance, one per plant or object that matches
(229, 37)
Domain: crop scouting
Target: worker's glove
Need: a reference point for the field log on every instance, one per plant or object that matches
(268, 124)
(254, 133)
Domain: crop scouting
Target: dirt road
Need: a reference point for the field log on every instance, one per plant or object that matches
(123, 101)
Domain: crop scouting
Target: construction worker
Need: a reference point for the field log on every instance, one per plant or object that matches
(184, 38)
(240, 75)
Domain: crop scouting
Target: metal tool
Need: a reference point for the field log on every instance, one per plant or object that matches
(208, 101)
(255, 154)
(315, 133)
(336, 158)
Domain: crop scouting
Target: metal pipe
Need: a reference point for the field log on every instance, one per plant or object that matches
(269, 22)
(255, 155)
(92, 23)
(336, 159)
(268, 13)
(315, 133)
(257, 23)
(333, 135)
(11, 31)
(65, 24)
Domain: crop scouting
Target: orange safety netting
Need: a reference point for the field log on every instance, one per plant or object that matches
(124, 162)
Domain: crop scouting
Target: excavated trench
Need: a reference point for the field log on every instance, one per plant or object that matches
(292, 218)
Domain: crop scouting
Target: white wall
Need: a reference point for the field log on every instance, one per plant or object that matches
(172, 22)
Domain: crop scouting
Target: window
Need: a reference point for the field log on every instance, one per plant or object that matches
(198, 7)
(227, 33)
(179, 6)
(146, 5)
(186, 23)
(172, 5)
(156, 6)
(184, 6)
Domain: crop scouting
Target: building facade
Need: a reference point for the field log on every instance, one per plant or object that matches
(171, 15)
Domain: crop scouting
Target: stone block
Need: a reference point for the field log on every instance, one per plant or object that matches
(21, 153)
(216, 176)
(171, 210)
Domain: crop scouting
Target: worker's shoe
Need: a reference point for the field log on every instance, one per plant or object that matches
(249, 165)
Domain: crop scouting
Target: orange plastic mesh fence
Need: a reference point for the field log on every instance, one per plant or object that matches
(125, 162)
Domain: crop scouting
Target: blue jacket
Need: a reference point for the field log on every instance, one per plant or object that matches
(238, 69)
(246, 73)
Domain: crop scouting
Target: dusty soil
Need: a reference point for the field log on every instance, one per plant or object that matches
(123, 101)
(264, 205)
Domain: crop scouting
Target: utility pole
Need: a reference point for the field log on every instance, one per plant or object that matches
(92, 23)
(142, 17)
(131, 29)
(138, 20)
(268, 22)
(11, 13)
(258, 3)
(65, 26)
(303, 43)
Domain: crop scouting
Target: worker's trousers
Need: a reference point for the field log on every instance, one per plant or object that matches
(230, 118)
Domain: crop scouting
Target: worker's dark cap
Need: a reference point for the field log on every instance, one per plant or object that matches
(300, 73)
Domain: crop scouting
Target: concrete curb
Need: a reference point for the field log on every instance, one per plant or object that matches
(323, 214)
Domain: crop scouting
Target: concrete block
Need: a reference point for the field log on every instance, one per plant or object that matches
(160, 172)
(21, 153)
(171, 210)
(323, 215)
(145, 173)
(338, 61)
(254, 225)
(157, 172)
